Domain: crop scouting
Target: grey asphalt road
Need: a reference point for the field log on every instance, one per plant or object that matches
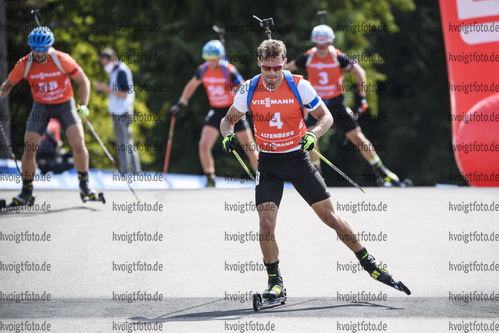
(189, 260)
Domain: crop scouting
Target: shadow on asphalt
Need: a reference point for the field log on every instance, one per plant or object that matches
(241, 313)
(23, 212)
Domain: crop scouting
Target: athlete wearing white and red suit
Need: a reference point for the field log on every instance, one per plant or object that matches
(325, 66)
(52, 98)
(220, 89)
(283, 158)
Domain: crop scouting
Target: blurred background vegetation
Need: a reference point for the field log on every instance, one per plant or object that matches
(162, 41)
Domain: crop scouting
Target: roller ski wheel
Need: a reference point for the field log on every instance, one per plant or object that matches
(92, 196)
(257, 302)
(3, 204)
(260, 301)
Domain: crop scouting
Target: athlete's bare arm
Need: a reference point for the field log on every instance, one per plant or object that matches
(227, 123)
(324, 119)
(360, 74)
(190, 88)
(6, 88)
(105, 88)
(291, 66)
(83, 85)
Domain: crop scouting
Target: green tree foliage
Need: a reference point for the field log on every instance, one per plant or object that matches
(162, 41)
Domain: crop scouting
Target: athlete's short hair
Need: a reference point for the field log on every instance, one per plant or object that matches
(271, 48)
(109, 54)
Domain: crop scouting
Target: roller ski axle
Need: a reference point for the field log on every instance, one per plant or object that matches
(266, 300)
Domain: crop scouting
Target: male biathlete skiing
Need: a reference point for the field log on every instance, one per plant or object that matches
(282, 140)
(47, 72)
(325, 66)
(220, 79)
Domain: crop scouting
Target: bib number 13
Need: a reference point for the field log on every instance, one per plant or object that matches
(276, 120)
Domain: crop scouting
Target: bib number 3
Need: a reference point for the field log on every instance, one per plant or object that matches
(323, 78)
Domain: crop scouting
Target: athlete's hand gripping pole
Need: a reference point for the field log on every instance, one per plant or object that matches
(109, 155)
(229, 145)
(337, 170)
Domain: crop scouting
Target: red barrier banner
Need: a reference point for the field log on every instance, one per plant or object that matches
(471, 35)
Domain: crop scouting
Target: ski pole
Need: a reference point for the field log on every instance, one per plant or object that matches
(337, 170)
(243, 165)
(221, 34)
(36, 14)
(109, 155)
(169, 144)
(6, 139)
(322, 15)
(267, 23)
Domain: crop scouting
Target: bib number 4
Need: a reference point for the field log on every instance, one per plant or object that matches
(276, 120)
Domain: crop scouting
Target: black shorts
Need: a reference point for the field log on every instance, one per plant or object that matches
(276, 168)
(215, 116)
(342, 118)
(42, 113)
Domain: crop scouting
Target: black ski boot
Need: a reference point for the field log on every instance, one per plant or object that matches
(210, 180)
(275, 285)
(26, 196)
(87, 193)
(385, 177)
(377, 272)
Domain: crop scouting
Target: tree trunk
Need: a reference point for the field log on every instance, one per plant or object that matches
(4, 105)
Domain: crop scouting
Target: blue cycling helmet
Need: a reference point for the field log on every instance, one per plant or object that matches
(213, 49)
(41, 37)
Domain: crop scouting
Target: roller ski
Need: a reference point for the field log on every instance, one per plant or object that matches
(25, 198)
(87, 193)
(17, 202)
(92, 196)
(386, 178)
(377, 272)
(260, 300)
(275, 292)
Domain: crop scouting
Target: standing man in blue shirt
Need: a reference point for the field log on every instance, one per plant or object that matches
(120, 104)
